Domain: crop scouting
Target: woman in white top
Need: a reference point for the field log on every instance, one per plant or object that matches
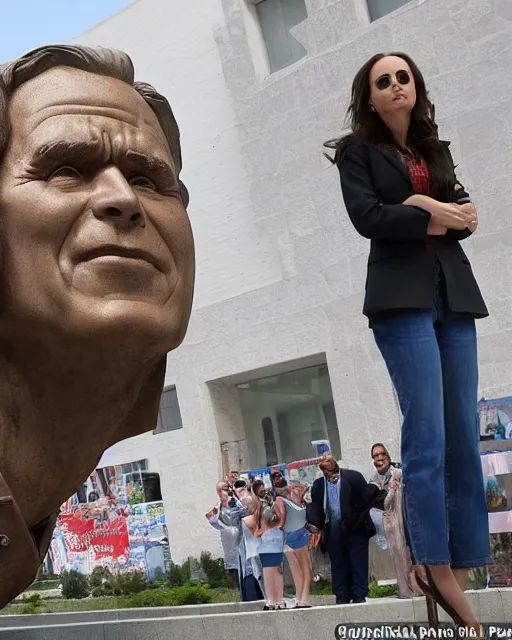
(270, 517)
(297, 537)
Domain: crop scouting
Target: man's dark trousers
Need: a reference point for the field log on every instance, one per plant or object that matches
(349, 556)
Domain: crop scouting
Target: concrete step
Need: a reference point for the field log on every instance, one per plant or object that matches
(492, 605)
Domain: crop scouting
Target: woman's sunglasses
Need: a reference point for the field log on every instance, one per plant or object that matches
(402, 77)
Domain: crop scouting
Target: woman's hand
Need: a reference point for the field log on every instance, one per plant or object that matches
(314, 540)
(443, 214)
(469, 210)
(434, 229)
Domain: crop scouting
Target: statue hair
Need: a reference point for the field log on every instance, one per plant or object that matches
(99, 60)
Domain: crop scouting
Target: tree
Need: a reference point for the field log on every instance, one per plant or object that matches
(74, 585)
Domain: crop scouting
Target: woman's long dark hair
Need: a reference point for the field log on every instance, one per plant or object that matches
(366, 124)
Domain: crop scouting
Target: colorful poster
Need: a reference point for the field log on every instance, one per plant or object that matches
(305, 471)
(495, 419)
(95, 531)
(297, 471)
(108, 523)
(497, 469)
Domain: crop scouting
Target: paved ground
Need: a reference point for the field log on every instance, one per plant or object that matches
(232, 621)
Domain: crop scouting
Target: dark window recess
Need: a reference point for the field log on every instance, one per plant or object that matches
(169, 416)
(379, 8)
(270, 441)
(276, 18)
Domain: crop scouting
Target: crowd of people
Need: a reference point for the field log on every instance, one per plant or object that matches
(261, 526)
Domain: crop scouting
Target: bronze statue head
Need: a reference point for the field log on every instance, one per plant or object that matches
(95, 237)
(96, 266)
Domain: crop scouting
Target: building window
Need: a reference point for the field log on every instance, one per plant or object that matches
(284, 414)
(379, 8)
(269, 441)
(134, 467)
(169, 416)
(276, 18)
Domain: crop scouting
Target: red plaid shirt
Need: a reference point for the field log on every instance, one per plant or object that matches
(421, 183)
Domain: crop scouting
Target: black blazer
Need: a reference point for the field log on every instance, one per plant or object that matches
(356, 498)
(375, 182)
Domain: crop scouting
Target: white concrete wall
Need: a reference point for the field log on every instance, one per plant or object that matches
(280, 269)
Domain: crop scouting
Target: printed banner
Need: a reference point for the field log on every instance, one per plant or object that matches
(495, 419)
(108, 523)
(497, 470)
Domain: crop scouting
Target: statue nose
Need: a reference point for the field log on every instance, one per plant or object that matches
(116, 200)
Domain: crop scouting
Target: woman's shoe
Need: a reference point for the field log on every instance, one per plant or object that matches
(433, 594)
(280, 606)
(269, 606)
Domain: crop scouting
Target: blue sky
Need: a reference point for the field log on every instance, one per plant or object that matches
(26, 24)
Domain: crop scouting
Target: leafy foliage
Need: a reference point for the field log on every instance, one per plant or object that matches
(74, 584)
(180, 574)
(382, 590)
(136, 494)
(103, 583)
(177, 596)
(216, 573)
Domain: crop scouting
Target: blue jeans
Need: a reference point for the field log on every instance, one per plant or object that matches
(432, 359)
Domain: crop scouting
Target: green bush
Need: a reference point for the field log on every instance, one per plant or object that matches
(100, 582)
(321, 589)
(74, 585)
(30, 609)
(216, 573)
(382, 591)
(31, 604)
(175, 577)
(136, 495)
(127, 584)
(180, 574)
(33, 598)
(103, 583)
(187, 594)
(159, 576)
(44, 585)
(225, 595)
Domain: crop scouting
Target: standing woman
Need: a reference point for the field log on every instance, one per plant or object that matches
(270, 516)
(296, 536)
(389, 478)
(400, 191)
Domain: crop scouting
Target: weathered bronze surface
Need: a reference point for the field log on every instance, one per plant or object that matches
(96, 279)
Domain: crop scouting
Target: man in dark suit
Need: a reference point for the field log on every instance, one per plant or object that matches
(340, 504)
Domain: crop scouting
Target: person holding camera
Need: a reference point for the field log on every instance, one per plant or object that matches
(226, 517)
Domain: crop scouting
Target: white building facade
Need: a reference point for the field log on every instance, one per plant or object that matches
(278, 353)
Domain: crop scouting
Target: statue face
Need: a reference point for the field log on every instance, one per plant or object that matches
(95, 234)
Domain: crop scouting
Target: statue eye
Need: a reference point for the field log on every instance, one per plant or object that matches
(143, 182)
(65, 172)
